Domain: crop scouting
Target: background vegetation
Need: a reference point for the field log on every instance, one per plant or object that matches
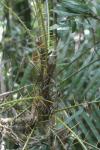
(49, 74)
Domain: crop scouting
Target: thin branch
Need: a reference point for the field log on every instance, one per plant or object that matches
(84, 147)
(75, 106)
(78, 71)
(29, 137)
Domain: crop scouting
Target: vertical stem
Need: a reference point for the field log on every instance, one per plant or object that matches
(43, 34)
(55, 57)
(48, 23)
(55, 39)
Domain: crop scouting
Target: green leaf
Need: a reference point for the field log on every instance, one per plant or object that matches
(74, 27)
(79, 7)
(18, 1)
(62, 11)
(82, 80)
(91, 125)
(14, 68)
(91, 82)
(68, 120)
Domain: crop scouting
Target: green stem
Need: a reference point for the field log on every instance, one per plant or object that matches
(23, 99)
(20, 114)
(70, 131)
(57, 137)
(43, 31)
(27, 30)
(93, 102)
(29, 138)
